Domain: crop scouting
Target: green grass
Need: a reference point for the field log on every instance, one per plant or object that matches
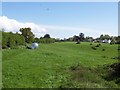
(50, 66)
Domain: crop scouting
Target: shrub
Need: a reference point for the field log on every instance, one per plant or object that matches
(10, 40)
(97, 45)
(47, 40)
(103, 49)
(94, 48)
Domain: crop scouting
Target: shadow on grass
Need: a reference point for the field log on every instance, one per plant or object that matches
(100, 77)
(112, 73)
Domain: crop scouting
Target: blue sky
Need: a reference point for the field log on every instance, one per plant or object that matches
(65, 19)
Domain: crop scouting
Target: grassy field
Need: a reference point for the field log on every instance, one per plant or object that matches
(58, 65)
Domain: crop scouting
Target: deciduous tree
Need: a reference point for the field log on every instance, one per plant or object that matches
(28, 34)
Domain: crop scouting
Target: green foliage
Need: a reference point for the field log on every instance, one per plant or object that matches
(47, 40)
(10, 40)
(110, 73)
(113, 41)
(103, 37)
(20, 40)
(81, 35)
(28, 35)
(117, 39)
(46, 36)
(79, 38)
(88, 39)
(37, 40)
(4, 39)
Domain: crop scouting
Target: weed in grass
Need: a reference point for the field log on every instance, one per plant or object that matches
(117, 57)
(94, 48)
(90, 43)
(97, 45)
(104, 57)
(103, 49)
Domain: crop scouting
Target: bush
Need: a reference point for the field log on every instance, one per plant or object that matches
(10, 40)
(47, 40)
(103, 49)
(98, 45)
(94, 48)
(112, 41)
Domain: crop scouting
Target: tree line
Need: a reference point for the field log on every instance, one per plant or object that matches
(12, 40)
(101, 39)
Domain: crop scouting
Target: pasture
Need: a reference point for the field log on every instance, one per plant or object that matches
(58, 65)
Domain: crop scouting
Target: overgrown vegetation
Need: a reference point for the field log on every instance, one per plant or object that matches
(110, 73)
(15, 40)
(11, 40)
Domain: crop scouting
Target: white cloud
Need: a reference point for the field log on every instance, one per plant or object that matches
(53, 30)
(14, 26)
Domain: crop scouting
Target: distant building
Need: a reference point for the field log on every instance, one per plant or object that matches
(102, 41)
(105, 41)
